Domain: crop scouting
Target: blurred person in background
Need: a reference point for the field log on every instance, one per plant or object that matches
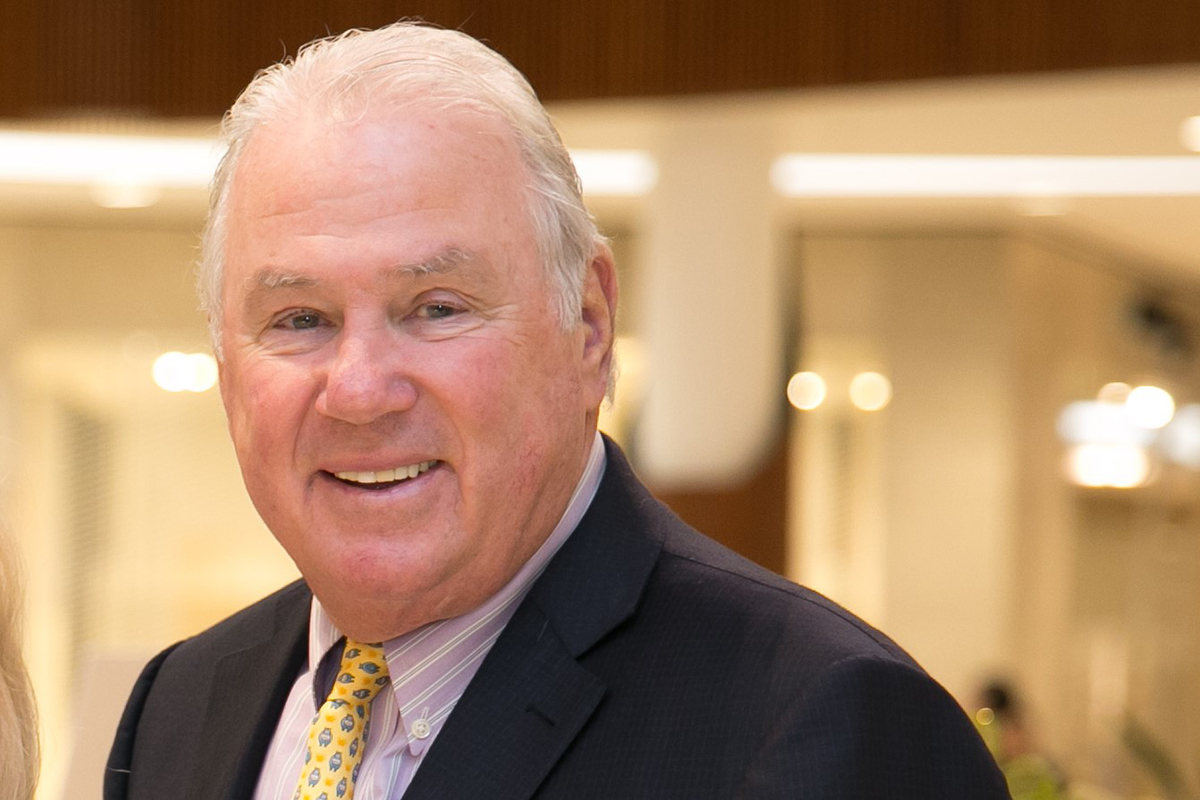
(414, 318)
(1002, 723)
(18, 715)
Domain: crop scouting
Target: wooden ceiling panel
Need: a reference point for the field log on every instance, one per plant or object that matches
(191, 59)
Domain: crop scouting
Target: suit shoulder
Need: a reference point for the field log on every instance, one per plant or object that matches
(282, 610)
(210, 681)
(717, 581)
(705, 593)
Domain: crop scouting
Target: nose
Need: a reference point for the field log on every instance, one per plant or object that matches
(366, 378)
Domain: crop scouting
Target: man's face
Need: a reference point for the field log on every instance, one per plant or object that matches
(409, 414)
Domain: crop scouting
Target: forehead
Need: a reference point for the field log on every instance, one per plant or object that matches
(397, 188)
(435, 150)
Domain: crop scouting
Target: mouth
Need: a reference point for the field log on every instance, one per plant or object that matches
(377, 480)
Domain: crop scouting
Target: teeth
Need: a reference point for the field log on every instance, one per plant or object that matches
(386, 475)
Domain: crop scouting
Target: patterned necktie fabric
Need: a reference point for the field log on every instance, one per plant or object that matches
(339, 730)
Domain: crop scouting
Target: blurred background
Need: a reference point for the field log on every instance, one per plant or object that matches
(909, 315)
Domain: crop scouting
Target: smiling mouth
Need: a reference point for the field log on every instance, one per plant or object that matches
(382, 479)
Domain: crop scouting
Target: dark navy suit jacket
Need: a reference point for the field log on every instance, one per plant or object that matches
(646, 662)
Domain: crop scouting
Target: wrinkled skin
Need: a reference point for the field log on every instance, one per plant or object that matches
(385, 306)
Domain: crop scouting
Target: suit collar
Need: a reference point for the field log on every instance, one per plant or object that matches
(597, 579)
(531, 697)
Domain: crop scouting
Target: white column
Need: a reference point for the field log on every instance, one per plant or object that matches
(710, 311)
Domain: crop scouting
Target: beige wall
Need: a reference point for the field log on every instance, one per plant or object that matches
(947, 518)
(1106, 588)
(126, 499)
(905, 514)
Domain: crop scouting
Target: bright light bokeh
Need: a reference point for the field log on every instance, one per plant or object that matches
(1108, 465)
(185, 372)
(1180, 440)
(117, 194)
(1020, 176)
(806, 390)
(1189, 133)
(1100, 422)
(870, 391)
(1115, 392)
(615, 173)
(98, 159)
(132, 171)
(1150, 407)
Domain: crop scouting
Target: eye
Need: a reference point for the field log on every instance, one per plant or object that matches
(438, 310)
(301, 320)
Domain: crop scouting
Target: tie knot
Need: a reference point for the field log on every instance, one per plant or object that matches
(362, 673)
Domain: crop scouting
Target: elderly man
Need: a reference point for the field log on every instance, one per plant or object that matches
(414, 317)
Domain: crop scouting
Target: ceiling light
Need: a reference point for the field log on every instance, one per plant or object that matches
(125, 169)
(125, 195)
(615, 173)
(1180, 440)
(870, 391)
(1189, 133)
(1100, 422)
(185, 372)
(1114, 392)
(70, 159)
(806, 390)
(1150, 407)
(1040, 177)
(1102, 465)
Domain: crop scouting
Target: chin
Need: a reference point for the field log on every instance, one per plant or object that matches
(377, 576)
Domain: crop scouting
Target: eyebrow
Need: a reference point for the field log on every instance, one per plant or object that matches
(270, 279)
(443, 263)
(446, 261)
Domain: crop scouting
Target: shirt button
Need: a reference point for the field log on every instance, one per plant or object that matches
(421, 729)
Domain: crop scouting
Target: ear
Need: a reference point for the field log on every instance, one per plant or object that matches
(599, 319)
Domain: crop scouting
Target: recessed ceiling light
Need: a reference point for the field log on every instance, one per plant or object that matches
(185, 372)
(126, 170)
(1189, 134)
(615, 173)
(806, 390)
(870, 391)
(871, 175)
(71, 159)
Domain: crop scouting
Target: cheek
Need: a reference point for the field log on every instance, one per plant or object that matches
(524, 396)
(506, 412)
(237, 416)
(264, 407)
(542, 413)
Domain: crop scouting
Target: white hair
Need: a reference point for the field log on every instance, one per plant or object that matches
(409, 62)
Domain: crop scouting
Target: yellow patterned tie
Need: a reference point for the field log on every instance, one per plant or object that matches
(339, 730)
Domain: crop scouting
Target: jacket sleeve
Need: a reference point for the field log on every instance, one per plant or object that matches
(869, 729)
(120, 758)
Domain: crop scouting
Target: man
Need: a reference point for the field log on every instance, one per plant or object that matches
(414, 318)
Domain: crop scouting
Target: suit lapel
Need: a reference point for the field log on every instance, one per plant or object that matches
(531, 696)
(247, 694)
(506, 734)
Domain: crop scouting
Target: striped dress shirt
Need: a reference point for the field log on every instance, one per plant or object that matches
(430, 668)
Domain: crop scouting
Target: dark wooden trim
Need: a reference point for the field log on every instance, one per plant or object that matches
(749, 517)
(191, 58)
